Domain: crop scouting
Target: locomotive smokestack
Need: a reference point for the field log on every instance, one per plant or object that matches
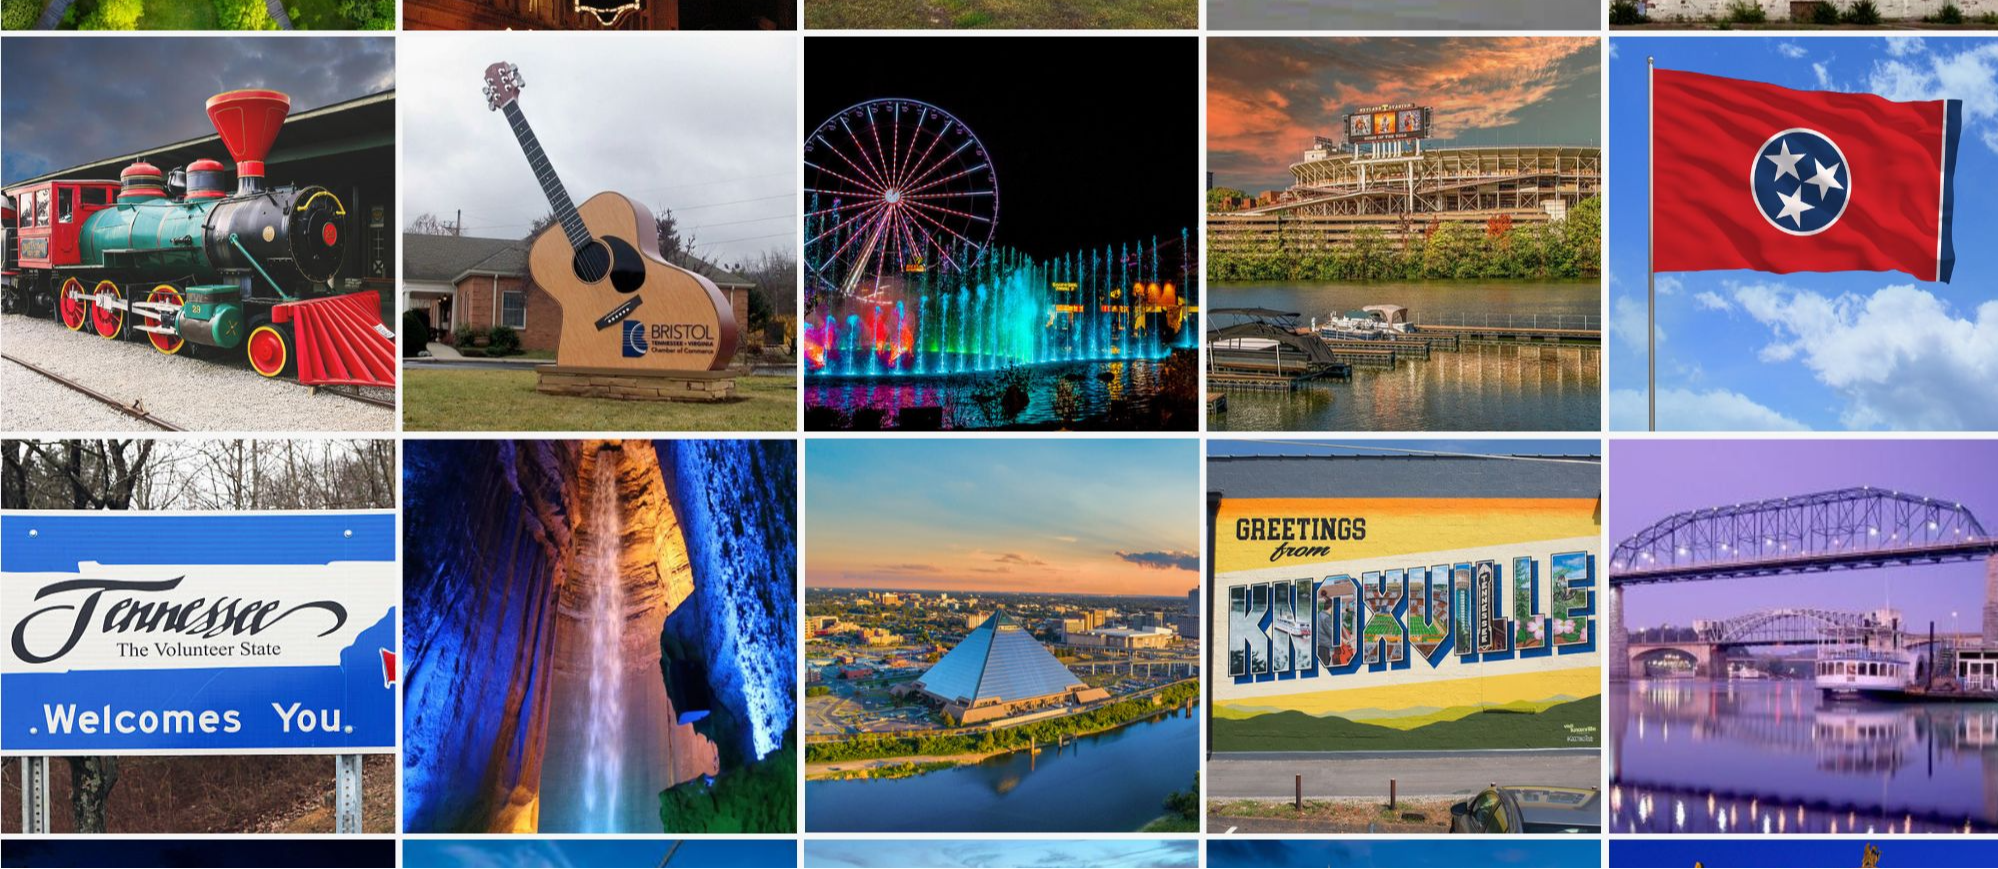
(249, 121)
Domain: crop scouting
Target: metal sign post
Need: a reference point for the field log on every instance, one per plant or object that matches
(347, 793)
(34, 795)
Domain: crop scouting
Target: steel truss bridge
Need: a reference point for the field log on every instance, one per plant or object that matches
(1780, 627)
(1508, 178)
(1846, 529)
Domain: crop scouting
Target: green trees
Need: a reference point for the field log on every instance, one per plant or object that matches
(20, 14)
(1569, 248)
(113, 15)
(243, 15)
(869, 745)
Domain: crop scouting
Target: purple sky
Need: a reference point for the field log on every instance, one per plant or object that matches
(1650, 480)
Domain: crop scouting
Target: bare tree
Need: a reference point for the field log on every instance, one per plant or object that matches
(429, 224)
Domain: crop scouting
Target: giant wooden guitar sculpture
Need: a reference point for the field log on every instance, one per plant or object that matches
(622, 305)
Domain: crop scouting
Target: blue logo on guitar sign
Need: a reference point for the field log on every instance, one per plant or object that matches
(192, 633)
(634, 339)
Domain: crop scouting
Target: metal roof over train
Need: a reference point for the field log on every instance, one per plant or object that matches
(356, 125)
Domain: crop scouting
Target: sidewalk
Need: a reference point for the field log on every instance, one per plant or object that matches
(446, 353)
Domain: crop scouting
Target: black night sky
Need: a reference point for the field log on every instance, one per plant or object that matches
(1095, 138)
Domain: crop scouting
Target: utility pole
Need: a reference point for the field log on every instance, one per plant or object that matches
(458, 225)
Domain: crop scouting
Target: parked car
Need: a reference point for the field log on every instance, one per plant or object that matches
(1529, 809)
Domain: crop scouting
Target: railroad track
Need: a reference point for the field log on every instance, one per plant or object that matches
(136, 410)
(357, 395)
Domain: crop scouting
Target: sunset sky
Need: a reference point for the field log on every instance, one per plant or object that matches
(1085, 516)
(1267, 97)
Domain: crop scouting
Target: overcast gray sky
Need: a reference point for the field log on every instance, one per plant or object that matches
(150, 91)
(705, 124)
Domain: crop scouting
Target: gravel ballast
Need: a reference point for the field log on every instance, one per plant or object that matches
(197, 394)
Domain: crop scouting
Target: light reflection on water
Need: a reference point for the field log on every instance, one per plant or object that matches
(1693, 755)
(1481, 387)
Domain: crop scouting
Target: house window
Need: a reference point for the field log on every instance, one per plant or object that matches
(513, 309)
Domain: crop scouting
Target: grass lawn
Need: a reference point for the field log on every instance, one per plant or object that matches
(490, 400)
(1004, 14)
(178, 15)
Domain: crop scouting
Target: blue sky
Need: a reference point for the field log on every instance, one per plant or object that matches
(1001, 852)
(1230, 852)
(1793, 851)
(597, 852)
(1744, 350)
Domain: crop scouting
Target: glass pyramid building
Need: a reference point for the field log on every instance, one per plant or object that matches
(997, 670)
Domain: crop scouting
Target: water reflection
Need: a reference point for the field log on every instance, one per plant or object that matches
(1693, 755)
(1110, 783)
(1483, 387)
(1102, 388)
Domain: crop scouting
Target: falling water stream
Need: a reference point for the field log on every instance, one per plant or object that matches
(604, 745)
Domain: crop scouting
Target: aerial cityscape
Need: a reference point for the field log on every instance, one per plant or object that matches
(990, 690)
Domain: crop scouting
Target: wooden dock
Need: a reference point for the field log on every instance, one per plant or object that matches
(1254, 369)
(1516, 334)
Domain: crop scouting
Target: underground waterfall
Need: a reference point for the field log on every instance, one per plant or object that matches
(605, 629)
(602, 638)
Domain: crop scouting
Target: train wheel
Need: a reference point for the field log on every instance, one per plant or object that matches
(269, 349)
(72, 305)
(108, 320)
(168, 344)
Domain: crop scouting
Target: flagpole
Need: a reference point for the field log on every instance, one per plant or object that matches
(1650, 241)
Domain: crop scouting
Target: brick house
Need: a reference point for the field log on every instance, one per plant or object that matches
(483, 282)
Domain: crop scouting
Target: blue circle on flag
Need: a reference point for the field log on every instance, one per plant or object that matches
(1801, 181)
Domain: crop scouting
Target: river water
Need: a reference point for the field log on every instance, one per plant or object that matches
(1110, 783)
(1481, 387)
(1697, 756)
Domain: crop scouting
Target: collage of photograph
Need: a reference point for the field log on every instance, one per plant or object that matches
(514, 433)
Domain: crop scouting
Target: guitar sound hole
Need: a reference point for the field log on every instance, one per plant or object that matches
(592, 263)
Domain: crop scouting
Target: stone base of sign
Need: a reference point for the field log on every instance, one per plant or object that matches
(635, 385)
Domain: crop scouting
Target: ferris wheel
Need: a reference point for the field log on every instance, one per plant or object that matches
(895, 188)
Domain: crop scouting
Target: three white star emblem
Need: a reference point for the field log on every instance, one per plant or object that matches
(1786, 162)
(1826, 180)
(1793, 205)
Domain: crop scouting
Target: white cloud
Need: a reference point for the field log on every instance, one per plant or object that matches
(1902, 46)
(1900, 357)
(1713, 301)
(1668, 285)
(1686, 410)
(1823, 72)
(1627, 316)
(1970, 75)
(1794, 51)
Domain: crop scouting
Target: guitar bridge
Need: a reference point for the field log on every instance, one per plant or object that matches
(618, 313)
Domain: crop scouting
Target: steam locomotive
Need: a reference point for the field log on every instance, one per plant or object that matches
(176, 259)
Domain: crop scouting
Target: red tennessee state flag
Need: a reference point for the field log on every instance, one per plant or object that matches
(1754, 176)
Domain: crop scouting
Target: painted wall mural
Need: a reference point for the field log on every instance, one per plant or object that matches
(1406, 624)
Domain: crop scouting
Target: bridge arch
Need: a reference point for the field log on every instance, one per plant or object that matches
(1840, 529)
